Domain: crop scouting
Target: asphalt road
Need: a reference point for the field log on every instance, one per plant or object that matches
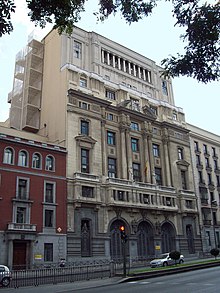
(199, 281)
(206, 280)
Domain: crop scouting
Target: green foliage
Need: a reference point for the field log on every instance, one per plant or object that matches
(175, 255)
(200, 20)
(6, 8)
(214, 252)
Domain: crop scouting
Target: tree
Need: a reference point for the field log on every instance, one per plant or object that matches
(214, 252)
(200, 20)
(175, 255)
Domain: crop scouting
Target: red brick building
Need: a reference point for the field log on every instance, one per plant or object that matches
(32, 200)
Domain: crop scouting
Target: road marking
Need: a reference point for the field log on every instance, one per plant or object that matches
(143, 283)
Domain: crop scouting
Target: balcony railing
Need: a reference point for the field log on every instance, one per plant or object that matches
(22, 226)
(207, 222)
(85, 176)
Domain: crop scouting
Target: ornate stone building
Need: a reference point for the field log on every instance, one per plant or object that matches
(128, 148)
(205, 148)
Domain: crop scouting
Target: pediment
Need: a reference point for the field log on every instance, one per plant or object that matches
(85, 140)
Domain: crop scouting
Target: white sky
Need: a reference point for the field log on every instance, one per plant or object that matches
(154, 37)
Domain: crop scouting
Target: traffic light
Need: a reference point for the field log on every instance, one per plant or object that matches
(124, 237)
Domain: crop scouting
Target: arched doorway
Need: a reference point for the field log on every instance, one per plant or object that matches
(145, 240)
(190, 239)
(116, 250)
(168, 239)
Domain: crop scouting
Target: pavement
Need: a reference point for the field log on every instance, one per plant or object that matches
(79, 285)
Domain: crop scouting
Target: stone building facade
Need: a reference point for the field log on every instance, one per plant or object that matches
(205, 148)
(128, 147)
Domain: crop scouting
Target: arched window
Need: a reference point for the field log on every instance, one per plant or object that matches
(23, 159)
(50, 163)
(36, 161)
(8, 156)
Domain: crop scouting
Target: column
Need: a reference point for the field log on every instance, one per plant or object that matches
(134, 68)
(108, 60)
(166, 156)
(113, 60)
(124, 67)
(144, 75)
(103, 58)
(103, 145)
(119, 63)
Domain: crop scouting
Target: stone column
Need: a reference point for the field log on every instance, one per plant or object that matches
(166, 157)
(147, 165)
(104, 149)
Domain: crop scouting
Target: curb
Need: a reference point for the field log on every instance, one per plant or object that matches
(170, 271)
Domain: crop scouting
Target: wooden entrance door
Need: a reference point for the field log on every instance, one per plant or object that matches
(19, 255)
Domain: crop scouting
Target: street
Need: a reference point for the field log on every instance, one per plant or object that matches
(205, 280)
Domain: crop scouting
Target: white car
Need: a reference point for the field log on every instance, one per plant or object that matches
(5, 276)
(164, 260)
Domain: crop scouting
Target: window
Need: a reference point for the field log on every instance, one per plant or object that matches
(134, 145)
(214, 217)
(84, 105)
(189, 204)
(212, 196)
(49, 193)
(196, 146)
(205, 150)
(49, 163)
(156, 150)
(8, 156)
(198, 161)
(110, 94)
(84, 160)
(22, 159)
(21, 215)
(218, 180)
(208, 237)
(22, 192)
(216, 165)
(36, 161)
(183, 178)
(213, 152)
(84, 127)
(48, 218)
(180, 153)
(153, 110)
(207, 162)
(83, 82)
(200, 177)
(112, 168)
(87, 191)
(134, 126)
(209, 178)
(174, 116)
(48, 252)
(158, 176)
(109, 116)
(77, 50)
(164, 88)
(111, 138)
(136, 172)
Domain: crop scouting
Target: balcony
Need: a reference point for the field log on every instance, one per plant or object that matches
(204, 201)
(86, 176)
(207, 222)
(22, 227)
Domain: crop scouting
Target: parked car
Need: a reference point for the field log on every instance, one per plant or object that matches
(5, 276)
(164, 260)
